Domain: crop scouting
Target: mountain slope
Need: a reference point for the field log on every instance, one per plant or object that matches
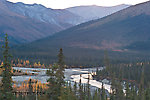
(61, 18)
(113, 32)
(121, 31)
(28, 22)
(95, 12)
(22, 29)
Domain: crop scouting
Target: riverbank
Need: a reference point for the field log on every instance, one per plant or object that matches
(72, 75)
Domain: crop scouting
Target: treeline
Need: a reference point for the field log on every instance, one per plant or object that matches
(128, 72)
(77, 56)
(128, 81)
(124, 84)
(57, 88)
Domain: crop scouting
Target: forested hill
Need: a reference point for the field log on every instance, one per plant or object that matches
(123, 32)
(25, 23)
(114, 32)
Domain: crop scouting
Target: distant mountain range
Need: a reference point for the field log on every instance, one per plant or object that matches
(28, 22)
(125, 31)
(22, 29)
(95, 12)
(63, 17)
(115, 32)
(59, 17)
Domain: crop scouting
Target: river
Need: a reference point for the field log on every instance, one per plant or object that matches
(72, 74)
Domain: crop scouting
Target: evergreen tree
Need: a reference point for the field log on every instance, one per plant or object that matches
(127, 91)
(52, 92)
(133, 93)
(141, 87)
(95, 97)
(70, 88)
(107, 63)
(61, 68)
(103, 95)
(99, 94)
(61, 58)
(81, 94)
(119, 91)
(67, 93)
(75, 88)
(88, 87)
(113, 88)
(147, 94)
(6, 87)
(60, 71)
(56, 80)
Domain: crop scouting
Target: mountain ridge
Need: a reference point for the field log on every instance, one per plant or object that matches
(22, 29)
(25, 23)
(118, 32)
(95, 12)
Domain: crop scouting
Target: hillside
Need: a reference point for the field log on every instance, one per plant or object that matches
(25, 23)
(58, 17)
(22, 29)
(119, 32)
(63, 17)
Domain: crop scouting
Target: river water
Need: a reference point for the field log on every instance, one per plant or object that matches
(70, 75)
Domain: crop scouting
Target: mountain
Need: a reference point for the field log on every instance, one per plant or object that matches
(22, 29)
(59, 17)
(95, 12)
(126, 31)
(113, 32)
(25, 23)
(64, 18)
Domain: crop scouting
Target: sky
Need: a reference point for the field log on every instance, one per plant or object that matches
(61, 4)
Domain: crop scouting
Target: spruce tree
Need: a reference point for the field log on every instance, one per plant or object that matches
(67, 93)
(141, 87)
(81, 94)
(119, 91)
(107, 63)
(147, 94)
(61, 68)
(52, 92)
(75, 88)
(6, 87)
(113, 88)
(127, 91)
(95, 96)
(88, 87)
(60, 71)
(61, 58)
(56, 80)
(103, 95)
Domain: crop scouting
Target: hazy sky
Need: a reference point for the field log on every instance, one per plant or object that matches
(59, 4)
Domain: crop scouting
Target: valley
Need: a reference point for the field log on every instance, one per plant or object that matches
(54, 54)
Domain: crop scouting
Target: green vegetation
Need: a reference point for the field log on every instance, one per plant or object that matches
(56, 80)
(133, 78)
(83, 44)
(6, 86)
(78, 56)
(129, 81)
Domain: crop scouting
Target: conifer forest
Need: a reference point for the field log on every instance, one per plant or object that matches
(74, 50)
